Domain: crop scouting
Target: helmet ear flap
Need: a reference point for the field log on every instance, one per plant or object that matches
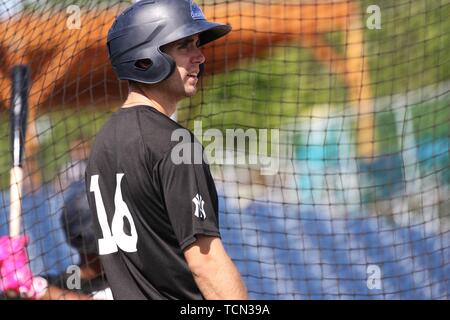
(151, 71)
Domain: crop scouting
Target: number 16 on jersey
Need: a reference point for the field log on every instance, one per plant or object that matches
(114, 237)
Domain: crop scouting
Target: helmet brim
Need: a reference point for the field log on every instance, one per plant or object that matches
(207, 31)
(216, 31)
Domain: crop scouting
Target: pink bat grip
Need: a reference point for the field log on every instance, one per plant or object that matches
(16, 278)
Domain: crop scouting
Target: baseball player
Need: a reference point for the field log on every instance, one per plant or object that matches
(156, 219)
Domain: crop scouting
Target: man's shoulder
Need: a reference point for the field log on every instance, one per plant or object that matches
(140, 125)
(156, 123)
(143, 121)
(159, 132)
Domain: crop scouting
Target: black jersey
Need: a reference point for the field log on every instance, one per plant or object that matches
(147, 209)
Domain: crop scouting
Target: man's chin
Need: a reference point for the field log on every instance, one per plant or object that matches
(190, 92)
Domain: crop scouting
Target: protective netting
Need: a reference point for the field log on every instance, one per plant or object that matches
(335, 181)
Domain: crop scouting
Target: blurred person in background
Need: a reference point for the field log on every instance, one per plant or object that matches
(58, 227)
(73, 170)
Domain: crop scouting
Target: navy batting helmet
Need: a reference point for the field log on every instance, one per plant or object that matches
(77, 219)
(143, 28)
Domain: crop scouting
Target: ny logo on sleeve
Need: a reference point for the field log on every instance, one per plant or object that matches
(199, 210)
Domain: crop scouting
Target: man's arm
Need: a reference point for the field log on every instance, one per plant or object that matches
(215, 274)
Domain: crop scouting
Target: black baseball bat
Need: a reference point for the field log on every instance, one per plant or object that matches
(18, 126)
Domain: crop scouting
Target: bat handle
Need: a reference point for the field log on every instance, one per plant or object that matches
(15, 201)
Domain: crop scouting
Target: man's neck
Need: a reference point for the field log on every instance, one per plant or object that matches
(139, 97)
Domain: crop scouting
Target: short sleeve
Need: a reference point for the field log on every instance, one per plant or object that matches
(190, 198)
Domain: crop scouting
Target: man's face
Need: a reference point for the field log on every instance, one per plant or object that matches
(188, 57)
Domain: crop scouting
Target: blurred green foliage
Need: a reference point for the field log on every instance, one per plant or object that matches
(55, 131)
(409, 52)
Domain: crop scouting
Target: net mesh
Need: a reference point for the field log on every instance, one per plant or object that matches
(339, 188)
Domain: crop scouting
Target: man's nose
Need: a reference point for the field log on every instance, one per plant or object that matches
(198, 56)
